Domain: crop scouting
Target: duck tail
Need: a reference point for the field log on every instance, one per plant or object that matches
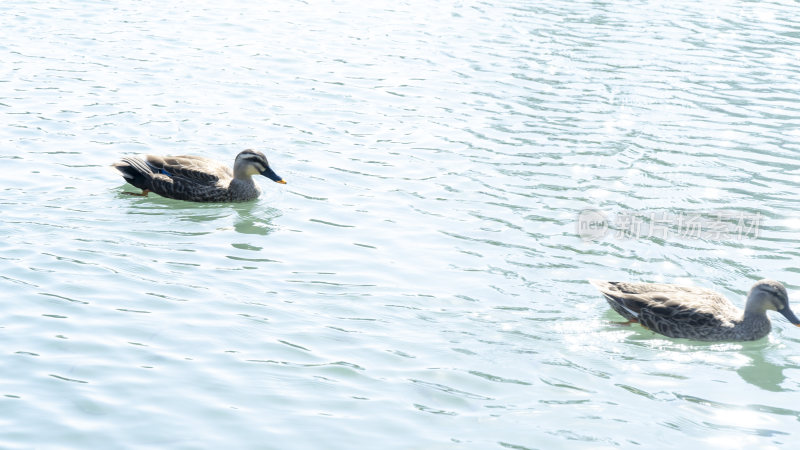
(616, 299)
(135, 171)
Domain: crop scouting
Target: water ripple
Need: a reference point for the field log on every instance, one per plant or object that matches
(419, 282)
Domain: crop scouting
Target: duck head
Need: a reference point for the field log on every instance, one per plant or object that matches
(770, 294)
(251, 162)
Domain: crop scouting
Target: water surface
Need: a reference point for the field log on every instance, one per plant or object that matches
(419, 282)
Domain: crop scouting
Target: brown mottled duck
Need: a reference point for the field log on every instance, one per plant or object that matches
(198, 179)
(697, 313)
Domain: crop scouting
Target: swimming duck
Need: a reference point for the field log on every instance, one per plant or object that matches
(697, 313)
(196, 178)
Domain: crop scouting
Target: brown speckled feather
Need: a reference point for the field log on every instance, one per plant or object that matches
(198, 179)
(683, 311)
(193, 168)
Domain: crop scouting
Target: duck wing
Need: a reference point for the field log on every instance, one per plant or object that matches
(669, 309)
(193, 169)
(191, 178)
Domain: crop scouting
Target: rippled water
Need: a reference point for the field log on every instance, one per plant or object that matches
(420, 282)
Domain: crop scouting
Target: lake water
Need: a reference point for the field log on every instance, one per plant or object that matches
(420, 282)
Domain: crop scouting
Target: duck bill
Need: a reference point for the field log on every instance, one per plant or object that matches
(269, 173)
(790, 315)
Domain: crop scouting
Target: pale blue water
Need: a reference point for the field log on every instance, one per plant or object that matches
(419, 282)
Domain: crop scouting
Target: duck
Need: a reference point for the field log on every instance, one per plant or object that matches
(697, 313)
(196, 178)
